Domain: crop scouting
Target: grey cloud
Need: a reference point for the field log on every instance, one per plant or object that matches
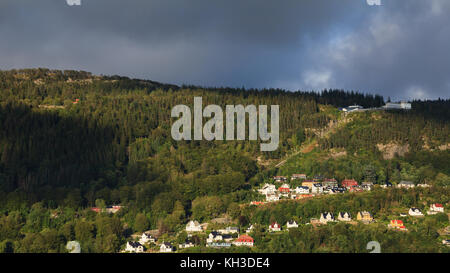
(399, 48)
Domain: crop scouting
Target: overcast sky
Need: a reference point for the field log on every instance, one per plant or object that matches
(399, 49)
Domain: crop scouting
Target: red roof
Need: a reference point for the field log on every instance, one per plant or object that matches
(438, 205)
(273, 225)
(245, 238)
(349, 182)
(397, 222)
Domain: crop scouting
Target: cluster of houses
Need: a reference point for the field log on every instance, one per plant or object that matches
(229, 236)
(147, 238)
(222, 237)
(309, 188)
(398, 224)
(327, 217)
(410, 185)
(434, 209)
(318, 186)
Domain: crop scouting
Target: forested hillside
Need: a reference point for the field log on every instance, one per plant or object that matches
(72, 140)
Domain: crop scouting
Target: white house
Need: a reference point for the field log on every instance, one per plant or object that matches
(326, 217)
(218, 245)
(298, 176)
(401, 106)
(317, 188)
(415, 212)
(214, 236)
(166, 247)
(229, 230)
(134, 247)
(272, 198)
(291, 224)
(146, 238)
(267, 189)
(302, 190)
(352, 108)
(274, 227)
(406, 184)
(436, 208)
(113, 209)
(344, 216)
(367, 186)
(250, 229)
(193, 226)
(186, 244)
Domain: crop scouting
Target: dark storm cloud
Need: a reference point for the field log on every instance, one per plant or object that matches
(398, 49)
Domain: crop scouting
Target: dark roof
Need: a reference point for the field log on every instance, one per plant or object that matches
(325, 214)
(134, 244)
(342, 214)
(215, 233)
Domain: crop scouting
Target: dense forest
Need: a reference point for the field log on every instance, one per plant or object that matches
(70, 140)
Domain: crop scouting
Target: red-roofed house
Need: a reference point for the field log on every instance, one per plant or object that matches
(348, 183)
(284, 188)
(437, 207)
(398, 224)
(244, 240)
(275, 227)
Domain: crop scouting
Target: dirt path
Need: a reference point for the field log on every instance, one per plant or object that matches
(307, 148)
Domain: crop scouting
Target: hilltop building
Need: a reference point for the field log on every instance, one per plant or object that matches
(399, 106)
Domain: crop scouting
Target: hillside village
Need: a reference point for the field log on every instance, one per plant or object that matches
(284, 188)
(108, 174)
